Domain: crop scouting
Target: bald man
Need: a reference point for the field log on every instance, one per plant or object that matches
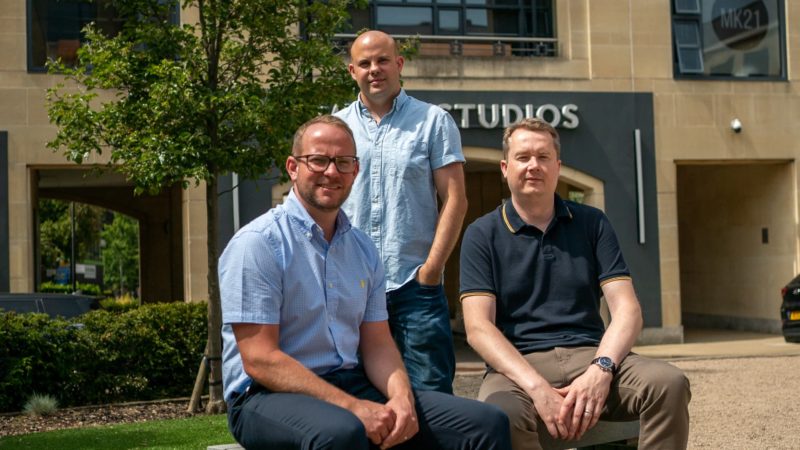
(410, 153)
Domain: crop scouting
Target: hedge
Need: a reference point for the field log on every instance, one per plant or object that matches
(84, 288)
(101, 357)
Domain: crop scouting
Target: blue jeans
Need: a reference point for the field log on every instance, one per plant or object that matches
(261, 419)
(420, 324)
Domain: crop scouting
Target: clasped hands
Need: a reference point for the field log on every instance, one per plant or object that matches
(390, 424)
(569, 411)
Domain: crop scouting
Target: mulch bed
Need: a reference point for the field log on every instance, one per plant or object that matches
(87, 416)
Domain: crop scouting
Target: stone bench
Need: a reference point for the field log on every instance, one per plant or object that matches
(602, 433)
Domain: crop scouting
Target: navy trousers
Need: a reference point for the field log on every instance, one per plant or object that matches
(260, 419)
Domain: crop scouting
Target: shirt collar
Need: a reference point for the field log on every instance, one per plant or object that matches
(514, 222)
(296, 210)
(397, 103)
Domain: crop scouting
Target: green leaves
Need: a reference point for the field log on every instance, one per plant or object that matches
(180, 103)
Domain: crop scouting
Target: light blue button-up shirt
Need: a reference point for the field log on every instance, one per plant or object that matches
(280, 270)
(394, 197)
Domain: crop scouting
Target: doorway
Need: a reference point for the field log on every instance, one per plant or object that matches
(737, 242)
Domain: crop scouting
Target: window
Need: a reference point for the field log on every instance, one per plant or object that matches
(739, 39)
(487, 23)
(54, 28)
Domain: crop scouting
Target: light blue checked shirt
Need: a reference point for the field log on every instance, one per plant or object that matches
(279, 269)
(394, 198)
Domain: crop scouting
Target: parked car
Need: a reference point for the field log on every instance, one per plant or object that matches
(790, 310)
(64, 305)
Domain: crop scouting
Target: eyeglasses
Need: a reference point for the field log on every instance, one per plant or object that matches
(320, 163)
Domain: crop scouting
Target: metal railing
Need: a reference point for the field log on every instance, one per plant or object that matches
(463, 45)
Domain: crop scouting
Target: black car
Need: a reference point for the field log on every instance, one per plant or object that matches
(790, 310)
(63, 305)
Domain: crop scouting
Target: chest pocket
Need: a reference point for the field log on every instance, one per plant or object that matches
(409, 160)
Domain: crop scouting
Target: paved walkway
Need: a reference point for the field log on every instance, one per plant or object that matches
(699, 344)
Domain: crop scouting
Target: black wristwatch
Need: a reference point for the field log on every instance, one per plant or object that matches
(605, 364)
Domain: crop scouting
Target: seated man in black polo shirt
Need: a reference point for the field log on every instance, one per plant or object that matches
(532, 274)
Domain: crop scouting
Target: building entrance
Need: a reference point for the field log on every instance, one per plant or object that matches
(737, 242)
(159, 217)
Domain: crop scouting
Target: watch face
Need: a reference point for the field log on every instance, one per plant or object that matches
(605, 361)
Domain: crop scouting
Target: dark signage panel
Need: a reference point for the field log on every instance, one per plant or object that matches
(598, 138)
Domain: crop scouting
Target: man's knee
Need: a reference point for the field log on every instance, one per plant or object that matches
(672, 383)
(342, 434)
(675, 379)
(496, 419)
(517, 412)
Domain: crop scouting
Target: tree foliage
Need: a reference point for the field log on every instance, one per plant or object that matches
(55, 231)
(121, 254)
(178, 103)
(181, 103)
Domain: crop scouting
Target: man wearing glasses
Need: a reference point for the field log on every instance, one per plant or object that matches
(410, 153)
(308, 360)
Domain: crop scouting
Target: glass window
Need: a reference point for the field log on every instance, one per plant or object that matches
(729, 39)
(518, 18)
(404, 20)
(449, 21)
(55, 28)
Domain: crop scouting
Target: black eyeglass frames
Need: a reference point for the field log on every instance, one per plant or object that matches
(320, 163)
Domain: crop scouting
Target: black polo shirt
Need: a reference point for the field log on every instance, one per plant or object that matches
(546, 285)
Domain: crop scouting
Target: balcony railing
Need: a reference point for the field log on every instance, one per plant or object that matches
(493, 46)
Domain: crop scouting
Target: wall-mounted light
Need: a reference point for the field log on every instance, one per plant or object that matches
(736, 125)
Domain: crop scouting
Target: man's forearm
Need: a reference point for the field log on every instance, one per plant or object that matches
(281, 373)
(626, 320)
(502, 356)
(448, 229)
(450, 186)
(382, 361)
(620, 336)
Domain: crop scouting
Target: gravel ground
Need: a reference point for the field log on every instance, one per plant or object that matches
(738, 403)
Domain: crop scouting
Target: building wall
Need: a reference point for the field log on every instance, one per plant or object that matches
(23, 115)
(625, 46)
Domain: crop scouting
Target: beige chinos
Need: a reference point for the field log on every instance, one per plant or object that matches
(653, 391)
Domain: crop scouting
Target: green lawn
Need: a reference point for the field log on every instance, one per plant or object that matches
(195, 433)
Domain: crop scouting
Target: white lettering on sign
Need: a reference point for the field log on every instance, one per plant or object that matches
(506, 114)
(740, 19)
(740, 28)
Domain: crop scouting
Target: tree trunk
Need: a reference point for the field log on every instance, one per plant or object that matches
(216, 402)
(213, 355)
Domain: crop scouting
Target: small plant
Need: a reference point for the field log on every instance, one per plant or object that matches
(40, 405)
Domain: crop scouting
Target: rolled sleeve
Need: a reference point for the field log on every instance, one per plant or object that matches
(446, 145)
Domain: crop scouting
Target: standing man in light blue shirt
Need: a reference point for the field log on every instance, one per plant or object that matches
(308, 359)
(410, 152)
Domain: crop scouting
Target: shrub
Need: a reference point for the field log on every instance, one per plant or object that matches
(149, 352)
(122, 303)
(40, 405)
(84, 288)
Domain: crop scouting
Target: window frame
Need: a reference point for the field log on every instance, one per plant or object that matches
(697, 18)
(526, 6)
(31, 68)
